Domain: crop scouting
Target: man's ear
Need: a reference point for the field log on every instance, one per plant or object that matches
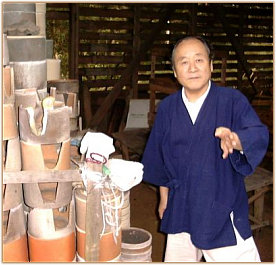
(174, 73)
(211, 65)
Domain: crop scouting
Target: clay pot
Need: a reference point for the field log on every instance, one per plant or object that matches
(51, 235)
(57, 128)
(80, 198)
(108, 249)
(44, 157)
(52, 250)
(15, 247)
(136, 245)
(16, 251)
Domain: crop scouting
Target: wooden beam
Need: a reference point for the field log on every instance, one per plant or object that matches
(93, 217)
(40, 176)
(115, 92)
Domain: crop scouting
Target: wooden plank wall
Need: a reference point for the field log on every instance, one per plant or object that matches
(106, 46)
(106, 38)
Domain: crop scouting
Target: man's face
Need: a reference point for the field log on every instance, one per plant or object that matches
(192, 66)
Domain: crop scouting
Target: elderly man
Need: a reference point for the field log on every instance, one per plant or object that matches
(204, 141)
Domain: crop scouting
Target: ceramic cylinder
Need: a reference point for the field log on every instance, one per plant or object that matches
(57, 128)
(110, 243)
(109, 249)
(136, 245)
(26, 48)
(46, 157)
(15, 247)
(31, 74)
(53, 69)
(14, 13)
(51, 235)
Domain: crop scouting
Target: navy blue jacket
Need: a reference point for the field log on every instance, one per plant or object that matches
(204, 188)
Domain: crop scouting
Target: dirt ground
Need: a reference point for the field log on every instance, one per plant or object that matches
(143, 205)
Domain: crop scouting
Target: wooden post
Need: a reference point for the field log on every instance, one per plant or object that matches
(93, 218)
(193, 19)
(74, 41)
(136, 49)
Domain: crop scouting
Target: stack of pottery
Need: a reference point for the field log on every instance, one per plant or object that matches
(110, 241)
(13, 221)
(67, 91)
(45, 146)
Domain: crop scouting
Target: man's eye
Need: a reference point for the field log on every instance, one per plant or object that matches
(199, 60)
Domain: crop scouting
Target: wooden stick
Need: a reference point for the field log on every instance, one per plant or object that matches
(93, 218)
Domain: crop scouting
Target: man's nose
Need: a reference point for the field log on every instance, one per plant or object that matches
(192, 67)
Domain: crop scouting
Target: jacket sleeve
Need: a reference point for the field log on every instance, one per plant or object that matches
(153, 159)
(253, 135)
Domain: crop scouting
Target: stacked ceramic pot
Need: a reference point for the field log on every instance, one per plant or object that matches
(27, 49)
(13, 219)
(67, 91)
(46, 146)
(110, 240)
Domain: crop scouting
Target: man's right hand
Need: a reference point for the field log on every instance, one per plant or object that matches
(163, 201)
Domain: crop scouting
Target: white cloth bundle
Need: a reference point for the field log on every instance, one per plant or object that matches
(97, 146)
(125, 174)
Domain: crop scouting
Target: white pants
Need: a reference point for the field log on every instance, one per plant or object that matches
(181, 249)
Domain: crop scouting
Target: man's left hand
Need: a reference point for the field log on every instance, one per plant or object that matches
(229, 141)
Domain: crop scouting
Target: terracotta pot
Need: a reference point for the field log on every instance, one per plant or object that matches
(44, 157)
(54, 250)
(16, 251)
(80, 198)
(57, 128)
(51, 234)
(14, 235)
(108, 249)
